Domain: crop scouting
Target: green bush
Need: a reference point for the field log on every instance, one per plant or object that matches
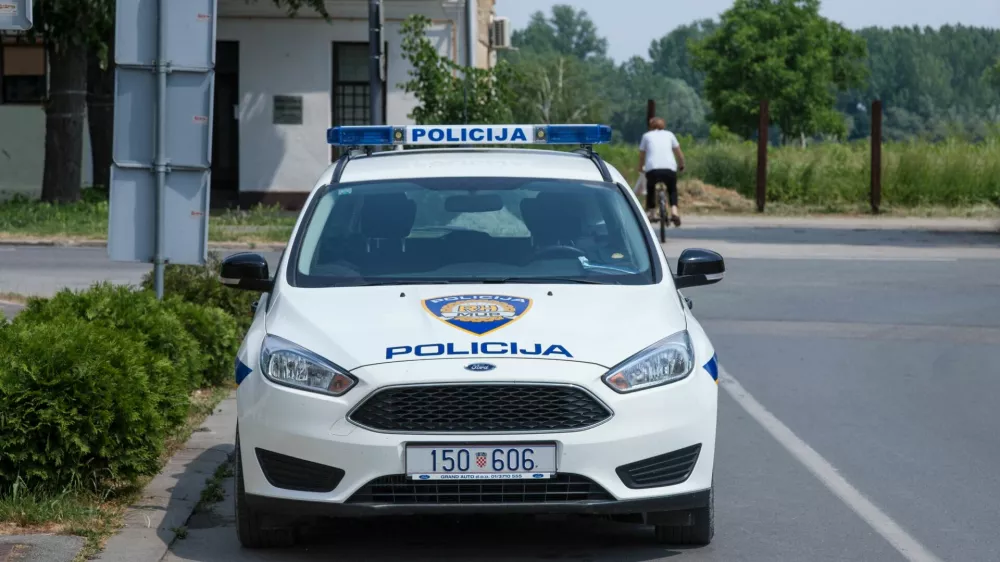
(79, 405)
(217, 333)
(137, 315)
(200, 285)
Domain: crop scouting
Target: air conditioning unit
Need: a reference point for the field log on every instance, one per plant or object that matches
(500, 33)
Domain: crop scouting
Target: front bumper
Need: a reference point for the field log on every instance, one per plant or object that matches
(313, 428)
(283, 506)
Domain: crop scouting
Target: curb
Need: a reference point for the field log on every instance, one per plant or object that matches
(170, 498)
(58, 243)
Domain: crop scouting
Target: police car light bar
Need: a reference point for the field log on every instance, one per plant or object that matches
(377, 135)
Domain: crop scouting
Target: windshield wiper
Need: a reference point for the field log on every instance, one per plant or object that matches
(501, 280)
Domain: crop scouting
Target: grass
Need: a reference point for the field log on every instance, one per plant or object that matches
(91, 516)
(918, 178)
(88, 220)
(213, 491)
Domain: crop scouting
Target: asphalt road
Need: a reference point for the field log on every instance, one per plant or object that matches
(857, 418)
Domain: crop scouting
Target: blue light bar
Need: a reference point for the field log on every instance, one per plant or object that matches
(442, 135)
(578, 134)
(359, 136)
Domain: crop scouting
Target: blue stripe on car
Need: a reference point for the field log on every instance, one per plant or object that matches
(713, 367)
(242, 371)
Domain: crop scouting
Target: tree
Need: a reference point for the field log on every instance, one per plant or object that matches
(68, 28)
(671, 54)
(568, 32)
(676, 101)
(440, 85)
(555, 88)
(785, 52)
(993, 76)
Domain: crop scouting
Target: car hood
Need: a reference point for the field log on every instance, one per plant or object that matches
(361, 326)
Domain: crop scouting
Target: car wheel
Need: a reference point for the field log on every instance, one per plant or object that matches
(699, 533)
(248, 523)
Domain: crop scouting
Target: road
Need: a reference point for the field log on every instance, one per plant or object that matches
(857, 417)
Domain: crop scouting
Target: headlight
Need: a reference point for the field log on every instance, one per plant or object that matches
(668, 360)
(286, 363)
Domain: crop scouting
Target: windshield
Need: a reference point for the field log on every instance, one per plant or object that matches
(471, 230)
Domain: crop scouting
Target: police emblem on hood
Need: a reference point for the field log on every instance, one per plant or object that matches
(477, 314)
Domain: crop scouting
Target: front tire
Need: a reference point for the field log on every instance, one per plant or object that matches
(700, 533)
(249, 530)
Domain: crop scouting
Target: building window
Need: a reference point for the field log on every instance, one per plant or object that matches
(351, 89)
(22, 71)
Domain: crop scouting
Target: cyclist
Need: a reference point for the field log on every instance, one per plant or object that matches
(660, 159)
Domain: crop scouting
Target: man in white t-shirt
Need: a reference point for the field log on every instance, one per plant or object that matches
(660, 158)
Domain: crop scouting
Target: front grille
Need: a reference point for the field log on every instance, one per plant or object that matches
(480, 408)
(663, 470)
(397, 490)
(291, 473)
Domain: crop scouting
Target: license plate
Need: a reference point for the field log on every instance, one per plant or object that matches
(481, 462)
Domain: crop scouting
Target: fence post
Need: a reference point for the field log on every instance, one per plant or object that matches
(876, 142)
(650, 110)
(762, 134)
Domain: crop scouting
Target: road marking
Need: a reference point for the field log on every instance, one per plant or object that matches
(856, 330)
(903, 542)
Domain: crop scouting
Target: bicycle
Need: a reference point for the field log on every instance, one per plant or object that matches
(661, 204)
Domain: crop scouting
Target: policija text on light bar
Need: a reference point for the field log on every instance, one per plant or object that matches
(376, 135)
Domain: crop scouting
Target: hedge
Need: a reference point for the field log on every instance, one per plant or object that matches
(79, 405)
(200, 285)
(93, 382)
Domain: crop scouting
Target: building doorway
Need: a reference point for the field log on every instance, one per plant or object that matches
(226, 126)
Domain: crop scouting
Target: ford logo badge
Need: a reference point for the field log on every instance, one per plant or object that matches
(480, 367)
(424, 477)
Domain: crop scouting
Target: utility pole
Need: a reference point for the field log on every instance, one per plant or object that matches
(650, 111)
(763, 128)
(470, 51)
(375, 67)
(876, 194)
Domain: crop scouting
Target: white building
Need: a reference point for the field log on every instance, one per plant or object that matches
(315, 73)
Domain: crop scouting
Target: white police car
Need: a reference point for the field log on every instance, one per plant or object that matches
(474, 330)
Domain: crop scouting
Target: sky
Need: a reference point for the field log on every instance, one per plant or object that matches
(630, 25)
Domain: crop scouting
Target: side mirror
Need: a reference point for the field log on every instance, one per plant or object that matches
(247, 271)
(698, 267)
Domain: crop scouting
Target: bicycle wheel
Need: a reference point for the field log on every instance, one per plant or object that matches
(662, 196)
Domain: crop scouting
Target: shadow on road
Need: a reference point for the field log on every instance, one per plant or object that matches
(840, 236)
(212, 538)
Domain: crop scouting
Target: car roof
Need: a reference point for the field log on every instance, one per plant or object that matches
(470, 162)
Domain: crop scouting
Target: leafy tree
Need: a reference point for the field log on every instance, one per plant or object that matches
(993, 76)
(671, 54)
(568, 32)
(440, 84)
(555, 88)
(785, 52)
(677, 102)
